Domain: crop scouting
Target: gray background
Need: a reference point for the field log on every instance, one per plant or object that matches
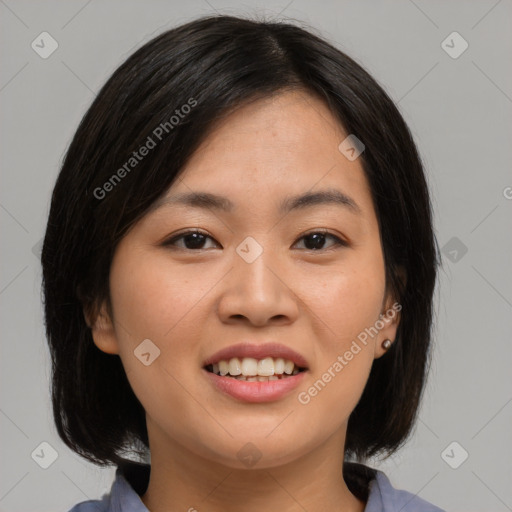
(459, 112)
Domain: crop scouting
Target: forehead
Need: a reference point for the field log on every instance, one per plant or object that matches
(282, 145)
(291, 123)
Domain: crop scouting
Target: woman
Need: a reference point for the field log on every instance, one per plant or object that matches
(238, 273)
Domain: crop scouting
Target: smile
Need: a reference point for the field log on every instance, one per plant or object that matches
(250, 369)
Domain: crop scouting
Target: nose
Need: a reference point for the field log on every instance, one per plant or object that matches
(258, 293)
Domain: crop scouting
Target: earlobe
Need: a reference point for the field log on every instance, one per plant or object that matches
(102, 330)
(390, 316)
(389, 321)
(384, 347)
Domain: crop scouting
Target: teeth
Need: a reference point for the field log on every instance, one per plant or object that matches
(235, 366)
(266, 367)
(288, 367)
(253, 370)
(249, 366)
(258, 378)
(279, 365)
(223, 367)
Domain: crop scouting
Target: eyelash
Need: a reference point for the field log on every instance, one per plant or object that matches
(338, 241)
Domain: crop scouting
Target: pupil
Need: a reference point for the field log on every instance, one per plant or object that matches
(318, 240)
(197, 240)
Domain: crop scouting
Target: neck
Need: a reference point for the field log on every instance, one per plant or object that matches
(180, 480)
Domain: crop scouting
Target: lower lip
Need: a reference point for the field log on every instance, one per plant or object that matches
(255, 391)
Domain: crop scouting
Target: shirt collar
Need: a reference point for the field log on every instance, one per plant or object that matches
(130, 484)
(372, 485)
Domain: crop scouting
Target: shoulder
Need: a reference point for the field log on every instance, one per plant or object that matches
(375, 488)
(101, 505)
(129, 484)
(90, 506)
(383, 497)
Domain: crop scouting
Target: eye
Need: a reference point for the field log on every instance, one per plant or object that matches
(195, 240)
(191, 240)
(316, 239)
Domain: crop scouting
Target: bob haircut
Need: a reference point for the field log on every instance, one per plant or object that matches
(216, 64)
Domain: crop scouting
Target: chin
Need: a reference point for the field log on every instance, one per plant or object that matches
(256, 452)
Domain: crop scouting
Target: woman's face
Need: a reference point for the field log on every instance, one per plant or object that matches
(260, 273)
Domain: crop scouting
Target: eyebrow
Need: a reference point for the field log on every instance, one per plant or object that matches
(207, 200)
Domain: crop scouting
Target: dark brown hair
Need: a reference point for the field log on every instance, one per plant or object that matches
(221, 63)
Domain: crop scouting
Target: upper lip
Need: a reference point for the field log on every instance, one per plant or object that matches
(257, 351)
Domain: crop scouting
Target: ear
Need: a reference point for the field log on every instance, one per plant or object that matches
(390, 317)
(102, 329)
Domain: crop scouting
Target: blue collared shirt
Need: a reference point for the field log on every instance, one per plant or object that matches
(381, 495)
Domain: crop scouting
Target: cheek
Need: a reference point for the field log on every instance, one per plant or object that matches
(164, 302)
(155, 301)
(356, 304)
(347, 299)
(331, 396)
(346, 307)
(151, 297)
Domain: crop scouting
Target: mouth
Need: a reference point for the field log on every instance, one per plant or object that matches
(250, 369)
(251, 372)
